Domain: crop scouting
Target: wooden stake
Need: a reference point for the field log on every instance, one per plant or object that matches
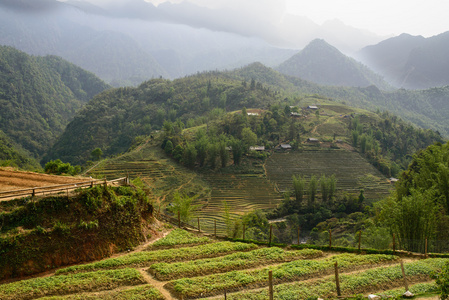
(360, 238)
(215, 228)
(425, 253)
(199, 228)
(330, 238)
(394, 244)
(270, 284)
(225, 294)
(403, 275)
(337, 279)
(271, 230)
(179, 219)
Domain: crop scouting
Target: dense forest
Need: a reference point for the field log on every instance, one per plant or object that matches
(38, 97)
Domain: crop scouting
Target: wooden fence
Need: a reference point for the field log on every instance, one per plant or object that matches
(54, 189)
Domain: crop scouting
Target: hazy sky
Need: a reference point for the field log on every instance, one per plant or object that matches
(384, 17)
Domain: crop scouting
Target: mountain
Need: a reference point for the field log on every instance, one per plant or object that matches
(132, 41)
(38, 97)
(324, 64)
(113, 56)
(411, 62)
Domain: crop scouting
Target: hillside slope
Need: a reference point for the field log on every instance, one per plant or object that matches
(54, 231)
(322, 63)
(411, 62)
(424, 108)
(39, 95)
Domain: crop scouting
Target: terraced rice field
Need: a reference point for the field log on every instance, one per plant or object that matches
(242, 193)
(352, 171)
(203, 268)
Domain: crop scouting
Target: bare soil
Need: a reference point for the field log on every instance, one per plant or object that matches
(13, 180)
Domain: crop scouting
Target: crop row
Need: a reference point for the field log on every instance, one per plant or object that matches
(369, 280)
(71, 283)
(288, 272)
(179, 237)
(146, 258)
(235, 261)
(142, 292)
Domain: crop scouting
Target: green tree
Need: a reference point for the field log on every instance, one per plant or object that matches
(298, 187)
(184, 205)
(212, 153)
(223, 153)
(442, 281)
(201, 147)
(413, 218)
(189, 156)
(96, 153)
(168, 147)
(313, 184)
(249, 138)
(237, 150)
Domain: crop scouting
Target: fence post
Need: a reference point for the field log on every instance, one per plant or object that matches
(337, 280)
(225, 294)
(403, 275)
(91, 183)
(243, 231)
(360, 238)
(199, 228)
(179, 219)
(394, 244)
(271, 230)
(330, 238)
(215, 228)
(34, 193)
(105, 183)
(270, 284)
(298, 234)
(425, 253)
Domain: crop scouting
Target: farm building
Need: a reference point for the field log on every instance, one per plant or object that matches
(257, 148)
(312, 107)
(312, 140)
(284, 147)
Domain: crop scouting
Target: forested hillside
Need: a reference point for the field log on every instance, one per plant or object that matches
(113, 119)
(116, 119)
(424, 108)
(38, 97)
(10, 155)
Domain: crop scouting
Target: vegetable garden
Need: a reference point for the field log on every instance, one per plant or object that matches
(201, 267)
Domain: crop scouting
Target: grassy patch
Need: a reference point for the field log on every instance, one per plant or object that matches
(180, 237)
(144, 292)
(146, 258)
(235, 261)
(72, 283)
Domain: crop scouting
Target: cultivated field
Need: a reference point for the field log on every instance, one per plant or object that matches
(163, 176)
(15, 180)
(201, 267)
(353, 172)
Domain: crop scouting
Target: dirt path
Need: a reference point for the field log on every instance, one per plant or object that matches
(159, 285)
